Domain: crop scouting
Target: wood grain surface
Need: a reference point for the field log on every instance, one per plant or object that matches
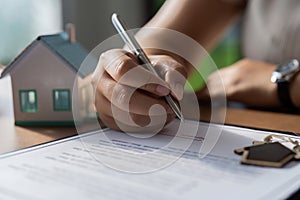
(14, 137)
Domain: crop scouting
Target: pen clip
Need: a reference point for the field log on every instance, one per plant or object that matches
(129, 40)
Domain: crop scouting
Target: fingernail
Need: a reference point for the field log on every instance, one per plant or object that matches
(178, 91)
(162, 90)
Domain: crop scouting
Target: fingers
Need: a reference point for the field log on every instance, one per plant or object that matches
(112, 111)
(129, 95)
(177, 82)
(129, 99)
(111, 123)
(172, 72)
(124, 68)
(120, 120)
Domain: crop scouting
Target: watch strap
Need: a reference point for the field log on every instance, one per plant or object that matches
(284, 94)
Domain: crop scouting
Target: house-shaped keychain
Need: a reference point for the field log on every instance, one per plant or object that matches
(43, 76)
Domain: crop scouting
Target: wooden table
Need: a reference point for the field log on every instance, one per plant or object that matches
(14, 137)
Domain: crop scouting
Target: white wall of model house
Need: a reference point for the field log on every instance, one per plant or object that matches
(43, 71)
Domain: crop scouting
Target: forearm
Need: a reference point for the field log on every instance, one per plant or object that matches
(294, 90)
(203, 21)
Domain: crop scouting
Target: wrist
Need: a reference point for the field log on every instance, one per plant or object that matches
(294, 90)
(284, 77)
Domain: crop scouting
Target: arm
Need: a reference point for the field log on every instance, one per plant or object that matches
(294, 89)
(204, 21)
(248, 82)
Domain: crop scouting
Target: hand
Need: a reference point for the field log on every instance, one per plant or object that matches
(119, 77)
(247, 81)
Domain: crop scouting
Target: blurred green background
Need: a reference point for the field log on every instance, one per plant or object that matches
(224, 54)
(22, 21)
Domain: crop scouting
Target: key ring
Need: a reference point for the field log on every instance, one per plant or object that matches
(271, 138)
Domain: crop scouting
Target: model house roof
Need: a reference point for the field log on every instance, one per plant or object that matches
(69, 51)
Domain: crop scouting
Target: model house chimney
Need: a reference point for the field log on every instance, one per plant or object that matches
(70, 29)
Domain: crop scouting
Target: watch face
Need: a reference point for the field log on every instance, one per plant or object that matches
(283, 69)
(288, 68)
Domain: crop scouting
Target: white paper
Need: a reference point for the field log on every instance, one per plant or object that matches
(66, 170)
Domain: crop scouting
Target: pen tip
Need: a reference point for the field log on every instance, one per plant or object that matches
(181, 119)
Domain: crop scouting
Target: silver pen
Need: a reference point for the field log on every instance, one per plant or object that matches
(138, 51)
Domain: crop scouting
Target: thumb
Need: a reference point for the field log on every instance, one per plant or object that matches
(172, 72)
(176, 81)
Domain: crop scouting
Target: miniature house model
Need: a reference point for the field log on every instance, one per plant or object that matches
(43, 76)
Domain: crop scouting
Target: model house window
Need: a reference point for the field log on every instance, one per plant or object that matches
(61, 100)
(28, 100)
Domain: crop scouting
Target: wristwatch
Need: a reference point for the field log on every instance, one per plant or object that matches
(282, 76)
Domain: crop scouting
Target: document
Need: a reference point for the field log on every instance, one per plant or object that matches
(90, 167)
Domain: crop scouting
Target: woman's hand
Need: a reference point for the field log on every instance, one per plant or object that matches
(124, 89)
(247, 81)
